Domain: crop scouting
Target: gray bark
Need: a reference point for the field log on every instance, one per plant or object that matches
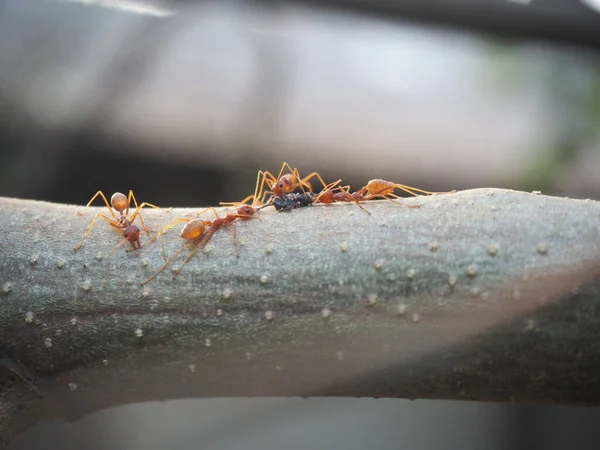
(487, 295)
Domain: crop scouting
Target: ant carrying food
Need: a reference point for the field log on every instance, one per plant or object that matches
(294, 200)
(198, 232)
(278, 185)
(121, 222)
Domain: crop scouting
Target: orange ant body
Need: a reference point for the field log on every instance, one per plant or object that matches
(121, 222)
(198, 232)
(278, 185)
(379, 188)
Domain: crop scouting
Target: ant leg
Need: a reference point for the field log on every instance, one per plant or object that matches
(240, 203)
(283, 166)
(387, 197)
(260, 185)
(131, 196)
(162, 241)
(259, 192)
(138, 212)
(389, 188)
(411, 190)
(453, 191)
(398, 203)
(108, 263)
(430, 193)
(168, 263)
(245, 217)
(203, 211)
(162, 246)
(198, 246)
(89, 228)
(170, 224)
(235, 244)
(150, 205)
(101, 194)
(215, 212)
(312, 175)
(360, 206)
(297, 179)
(330, 187)
(303, 183)
(268, 201)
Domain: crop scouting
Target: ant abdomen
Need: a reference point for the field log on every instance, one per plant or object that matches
(193, 229)
(119, 201)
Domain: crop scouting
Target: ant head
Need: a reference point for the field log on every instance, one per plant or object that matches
(284, 185)
(193, 229)
(119, 202)
(131, 233)
(245, 212)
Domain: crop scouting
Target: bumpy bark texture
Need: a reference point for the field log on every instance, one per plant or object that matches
(487, 294)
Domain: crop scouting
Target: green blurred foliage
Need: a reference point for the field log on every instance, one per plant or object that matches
(567, 81)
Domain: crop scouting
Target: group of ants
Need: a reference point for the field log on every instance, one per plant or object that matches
(285, 192)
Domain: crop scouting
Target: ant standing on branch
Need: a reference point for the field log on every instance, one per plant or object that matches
(198, 232)
(277, 186)
(121, 223)
(284, 191)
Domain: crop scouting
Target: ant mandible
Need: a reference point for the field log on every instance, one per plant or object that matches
(122, 223)
(198, 232)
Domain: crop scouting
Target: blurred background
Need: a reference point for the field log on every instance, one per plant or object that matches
(183, 101)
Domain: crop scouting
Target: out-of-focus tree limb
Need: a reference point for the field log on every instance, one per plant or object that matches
(485, 295)
(563, 22)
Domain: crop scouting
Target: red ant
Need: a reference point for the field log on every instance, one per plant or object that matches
(199, 232)
(374, 189)
(278, 185)
(328, 195)
(121, 223)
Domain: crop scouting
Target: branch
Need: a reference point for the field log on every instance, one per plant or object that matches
(474, 295)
